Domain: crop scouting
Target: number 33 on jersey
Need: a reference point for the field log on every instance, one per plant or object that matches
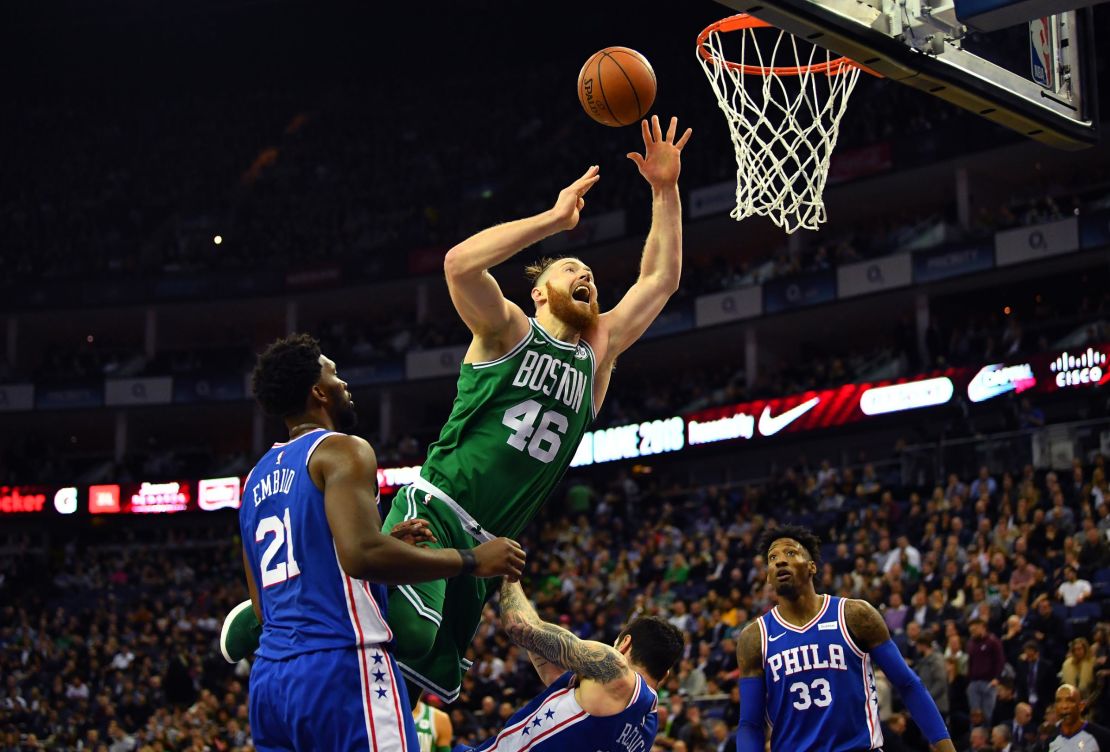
(514, 428)
(819, 683)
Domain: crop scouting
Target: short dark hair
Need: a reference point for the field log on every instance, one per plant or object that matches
(285, 373)
(656, 644)
(810, 542)
(535, 270)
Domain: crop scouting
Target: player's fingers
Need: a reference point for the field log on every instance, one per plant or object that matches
(656, 130)
(671, 129)
(589, 175)
(685, 137)
(645, 129)
(581, 203)
(584, 185)
(636, 157)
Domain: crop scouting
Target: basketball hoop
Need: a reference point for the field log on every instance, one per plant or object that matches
(783, 100)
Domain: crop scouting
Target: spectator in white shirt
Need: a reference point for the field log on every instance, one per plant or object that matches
(1074, 590)
(906, 555)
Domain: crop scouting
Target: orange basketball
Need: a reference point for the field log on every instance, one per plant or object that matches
(616, 86)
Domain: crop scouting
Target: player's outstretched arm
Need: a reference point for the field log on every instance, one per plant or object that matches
(870, 634)
(474, 291)
(346, 469)
(751, 735)
(562, 648)
(661, 262)
(516, 606)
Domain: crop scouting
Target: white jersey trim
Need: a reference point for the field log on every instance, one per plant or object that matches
(367, 622)
(567, 713)
(315, 444)
(842, 619)
(593, 376)
(762, 642)
(450, 695)
(554, 340)
(515, 349)
(810, 623)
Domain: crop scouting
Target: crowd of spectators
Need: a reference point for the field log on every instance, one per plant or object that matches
(293, 175)
(992, 586)
(993, 325)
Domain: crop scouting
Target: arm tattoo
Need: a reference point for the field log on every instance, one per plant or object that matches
(590, 660)
(865, 624)
(749, 652)
(514, 604)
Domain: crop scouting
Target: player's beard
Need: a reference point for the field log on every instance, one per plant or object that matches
(569, 311)
(786, 590)
(344, 417)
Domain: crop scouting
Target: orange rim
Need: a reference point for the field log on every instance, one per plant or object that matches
(745, 21)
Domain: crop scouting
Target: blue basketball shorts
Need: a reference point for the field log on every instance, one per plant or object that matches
(351, 699)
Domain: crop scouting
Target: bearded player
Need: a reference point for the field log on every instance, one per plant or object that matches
(528, 388)
(805, 666)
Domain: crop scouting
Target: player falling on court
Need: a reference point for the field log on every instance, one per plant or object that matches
(324, 676)
(598, 697)
(527, 390)
(805, 666)
(433, 728)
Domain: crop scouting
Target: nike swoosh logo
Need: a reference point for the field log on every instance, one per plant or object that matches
(772, 639)
(770, 425)
(538, 341)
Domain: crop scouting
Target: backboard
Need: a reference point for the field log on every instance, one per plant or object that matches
(1035, 77)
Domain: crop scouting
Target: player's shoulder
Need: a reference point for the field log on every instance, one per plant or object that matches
(749, 648)
(865, 624)
(343, 447)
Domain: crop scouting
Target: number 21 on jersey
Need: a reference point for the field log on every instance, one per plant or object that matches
(275, 573)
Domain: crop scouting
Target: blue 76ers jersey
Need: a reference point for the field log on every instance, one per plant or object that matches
(308, 602)
(820, 688)
(555, 722)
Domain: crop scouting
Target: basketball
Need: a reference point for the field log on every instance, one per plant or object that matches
(616, 86)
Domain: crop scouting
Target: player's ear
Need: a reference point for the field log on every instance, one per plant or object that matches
(624, 645)
(539, 295)
(319, 393)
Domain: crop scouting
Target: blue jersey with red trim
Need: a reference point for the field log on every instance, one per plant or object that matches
(555, 722)
(308, 602)
(819, 684)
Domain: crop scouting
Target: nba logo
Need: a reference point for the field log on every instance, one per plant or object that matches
(1040, 51)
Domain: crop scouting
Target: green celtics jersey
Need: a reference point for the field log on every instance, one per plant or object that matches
(425, 728)
(514, 428)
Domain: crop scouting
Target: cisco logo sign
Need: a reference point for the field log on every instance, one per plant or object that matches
(1079, 370)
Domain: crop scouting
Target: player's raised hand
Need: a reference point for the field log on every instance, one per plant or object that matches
(413, 532)
(570, 201)
(661, 162)
(500, 557)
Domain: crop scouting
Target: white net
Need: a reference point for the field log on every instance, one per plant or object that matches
(783, 98)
